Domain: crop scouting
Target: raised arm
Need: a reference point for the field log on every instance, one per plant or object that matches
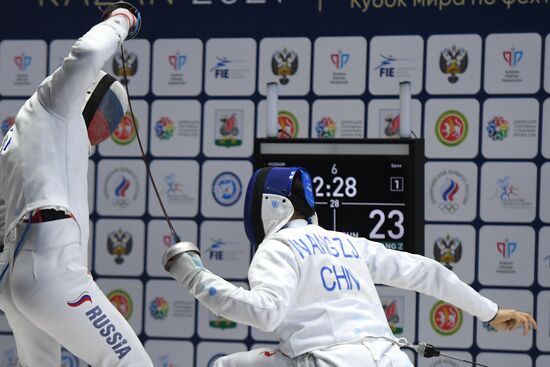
(63, 93)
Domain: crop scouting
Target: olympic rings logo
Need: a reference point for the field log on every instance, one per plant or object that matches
(448, 207)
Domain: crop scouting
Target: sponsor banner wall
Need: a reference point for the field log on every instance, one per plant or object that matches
(197, 74)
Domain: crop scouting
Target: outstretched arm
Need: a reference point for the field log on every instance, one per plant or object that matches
(273, 278)
(424, 275)
(64, 92)
(421, 274)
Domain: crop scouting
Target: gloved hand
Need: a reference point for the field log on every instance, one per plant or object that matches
(120, 8)
(182, 261)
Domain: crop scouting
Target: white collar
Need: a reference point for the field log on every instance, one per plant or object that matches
(296, 223)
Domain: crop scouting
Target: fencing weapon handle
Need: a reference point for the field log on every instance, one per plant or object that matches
(428, 350)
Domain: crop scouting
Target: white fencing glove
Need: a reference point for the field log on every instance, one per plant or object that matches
(183, 262)
(127, 10)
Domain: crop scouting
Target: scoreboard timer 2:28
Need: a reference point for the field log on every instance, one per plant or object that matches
(371, 188)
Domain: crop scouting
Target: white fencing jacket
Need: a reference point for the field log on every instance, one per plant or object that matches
(315, 288)
(44, 156)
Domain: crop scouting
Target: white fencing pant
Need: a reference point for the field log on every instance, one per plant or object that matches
(49, 299)
(371, 353)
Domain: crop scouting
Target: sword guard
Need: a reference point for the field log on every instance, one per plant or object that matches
(177, 250)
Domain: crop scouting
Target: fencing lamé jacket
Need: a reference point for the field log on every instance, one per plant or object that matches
(44, 156)
(315, 288)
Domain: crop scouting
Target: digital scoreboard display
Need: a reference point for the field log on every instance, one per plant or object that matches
(372, 188)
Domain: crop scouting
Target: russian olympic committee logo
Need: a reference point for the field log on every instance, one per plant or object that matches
(449, 190)
(121, 187)
(226, 188)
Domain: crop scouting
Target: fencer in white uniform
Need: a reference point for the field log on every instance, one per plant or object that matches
(47, 293)
(315, 288)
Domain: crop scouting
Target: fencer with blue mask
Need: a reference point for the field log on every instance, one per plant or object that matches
(314, 288)
(47, 293)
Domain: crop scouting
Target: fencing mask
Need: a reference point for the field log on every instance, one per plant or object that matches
(106, 104)
(272, 197)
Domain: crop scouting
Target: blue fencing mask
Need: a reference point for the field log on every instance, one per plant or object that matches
(273, 195)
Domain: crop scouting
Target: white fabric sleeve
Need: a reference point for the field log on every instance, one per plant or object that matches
(2, 219)
(273, 277)
(424, 275)
(64, 92)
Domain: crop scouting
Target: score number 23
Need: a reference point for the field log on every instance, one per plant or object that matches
(347, 187)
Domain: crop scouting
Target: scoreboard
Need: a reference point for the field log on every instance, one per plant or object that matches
(372, 188)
